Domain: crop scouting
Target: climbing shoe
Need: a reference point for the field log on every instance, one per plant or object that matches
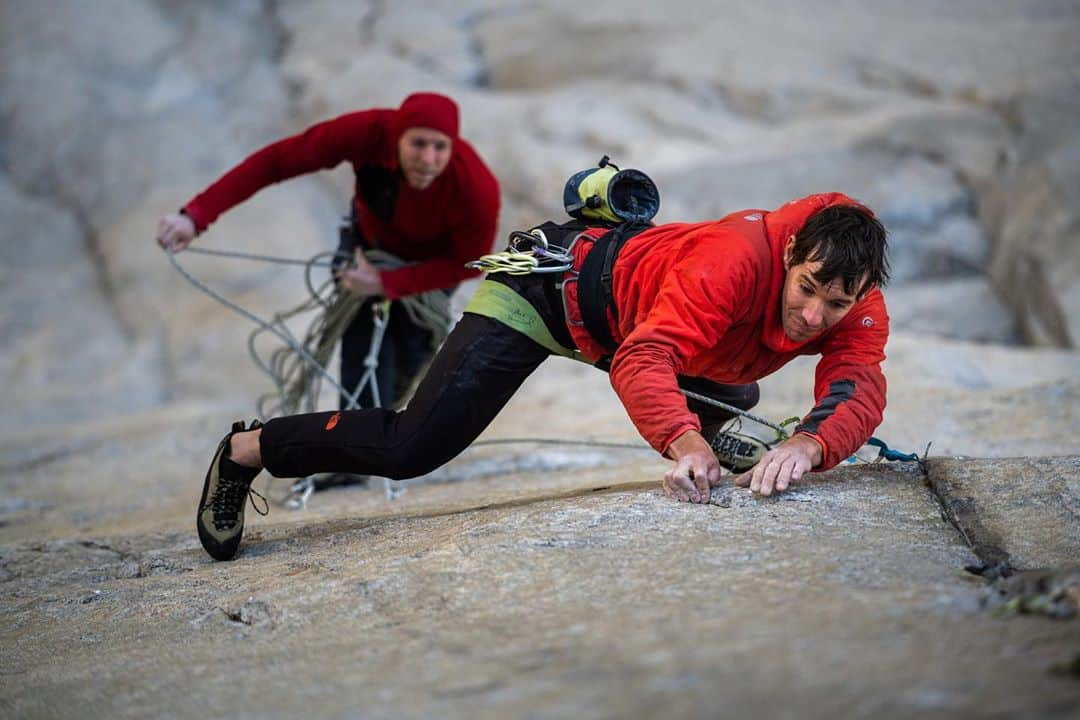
(220, 519)
(736, 451)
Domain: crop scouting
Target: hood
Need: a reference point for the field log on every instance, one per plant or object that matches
(781, 224)
(430, 110)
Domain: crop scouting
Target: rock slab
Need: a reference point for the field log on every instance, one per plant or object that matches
(1025, 511)
(599, 598)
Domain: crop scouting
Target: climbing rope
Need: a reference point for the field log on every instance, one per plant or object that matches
(298, 367)
(886, 453)
(281, 332)
(781, 428)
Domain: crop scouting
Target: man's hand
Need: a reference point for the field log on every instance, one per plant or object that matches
(175, 232)
(363, 280)
(784, 464)
(696, 469)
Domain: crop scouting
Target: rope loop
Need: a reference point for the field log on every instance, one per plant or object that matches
(297, 367)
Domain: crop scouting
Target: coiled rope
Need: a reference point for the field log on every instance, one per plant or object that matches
(298, 367)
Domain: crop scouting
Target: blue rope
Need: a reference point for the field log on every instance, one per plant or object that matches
(888, 453)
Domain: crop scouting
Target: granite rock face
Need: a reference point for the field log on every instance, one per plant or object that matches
(1023, 510)
(538, 594)
(538, 580)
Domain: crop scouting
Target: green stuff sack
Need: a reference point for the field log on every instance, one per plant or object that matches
(607, 194)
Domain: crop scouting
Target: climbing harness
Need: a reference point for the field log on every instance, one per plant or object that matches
(595, 297)
(500, 302)
(298, 368)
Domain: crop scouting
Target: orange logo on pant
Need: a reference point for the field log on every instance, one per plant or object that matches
(333, 421)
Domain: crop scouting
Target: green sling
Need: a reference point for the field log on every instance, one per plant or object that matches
(499, 302)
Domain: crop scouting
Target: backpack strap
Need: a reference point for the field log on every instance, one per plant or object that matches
(594, 282)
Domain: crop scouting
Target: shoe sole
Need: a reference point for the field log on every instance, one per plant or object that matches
(736, 452)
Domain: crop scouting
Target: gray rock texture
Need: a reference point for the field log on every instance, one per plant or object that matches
(543, 580)
(1024, 511)
(965, 308)
(537, 595)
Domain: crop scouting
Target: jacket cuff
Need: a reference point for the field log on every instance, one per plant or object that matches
(196, 217)
(392, 284)
(824, 450)
(672, 437)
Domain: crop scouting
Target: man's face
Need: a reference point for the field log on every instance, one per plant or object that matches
(808, 307)
(423, 154)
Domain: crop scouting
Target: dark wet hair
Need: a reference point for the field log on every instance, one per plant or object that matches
(849, 242)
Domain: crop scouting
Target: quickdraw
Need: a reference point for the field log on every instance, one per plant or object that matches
(526, 253)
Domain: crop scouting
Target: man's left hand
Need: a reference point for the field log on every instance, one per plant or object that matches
(784, 464)
(363, 280)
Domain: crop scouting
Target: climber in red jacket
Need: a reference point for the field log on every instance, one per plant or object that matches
(733, 301)
(422, 194)
(725, 303)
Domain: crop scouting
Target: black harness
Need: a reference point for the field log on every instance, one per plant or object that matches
(595, 297)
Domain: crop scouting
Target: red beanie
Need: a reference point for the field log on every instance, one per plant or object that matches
(429, 110)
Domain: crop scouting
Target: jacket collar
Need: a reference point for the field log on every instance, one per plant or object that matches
(780, 225)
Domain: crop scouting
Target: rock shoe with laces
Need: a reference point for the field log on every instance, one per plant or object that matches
(220, 519)
(736, 451)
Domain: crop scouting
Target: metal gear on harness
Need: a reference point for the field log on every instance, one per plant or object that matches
(526, 253)
(380, 314)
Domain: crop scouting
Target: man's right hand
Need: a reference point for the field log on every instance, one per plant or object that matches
(696, 469)
(175, 232)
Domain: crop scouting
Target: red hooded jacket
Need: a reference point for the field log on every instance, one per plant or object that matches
(704, 300)
(439, 228)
